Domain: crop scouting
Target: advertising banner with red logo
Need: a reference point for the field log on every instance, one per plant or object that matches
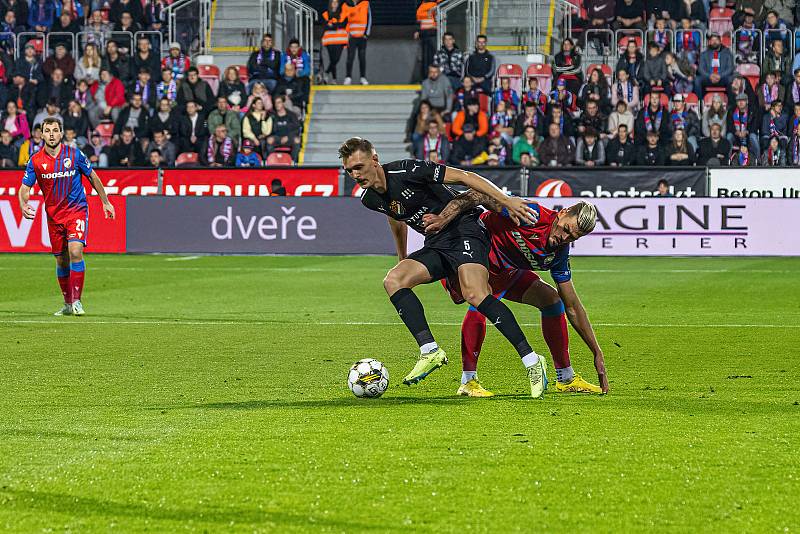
(252, 182)
(609, 182)
(18, 234)
(682, 227)
(116, 182)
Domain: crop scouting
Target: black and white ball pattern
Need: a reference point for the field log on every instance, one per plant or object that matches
(368, 378)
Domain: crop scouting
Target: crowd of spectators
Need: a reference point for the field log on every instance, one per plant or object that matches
(684, 95)
(126, 104)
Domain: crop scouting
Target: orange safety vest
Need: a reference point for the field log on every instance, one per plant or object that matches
(334, 37)
(357, 18)
(425, 15)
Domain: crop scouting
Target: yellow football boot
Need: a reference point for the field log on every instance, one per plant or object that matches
(577, 385)
(473, 388)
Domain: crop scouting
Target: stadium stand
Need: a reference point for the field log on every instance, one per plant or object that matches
(687, 60)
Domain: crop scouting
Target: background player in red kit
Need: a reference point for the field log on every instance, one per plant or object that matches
(515, 251)
(58, 169)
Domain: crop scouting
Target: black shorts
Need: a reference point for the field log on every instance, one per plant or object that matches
(462, 242)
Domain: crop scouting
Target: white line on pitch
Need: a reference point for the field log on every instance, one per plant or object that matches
(183, 258)
(70, 321)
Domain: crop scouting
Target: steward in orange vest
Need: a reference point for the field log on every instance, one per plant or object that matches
(335, 37)
(426, 17)
(359, 24)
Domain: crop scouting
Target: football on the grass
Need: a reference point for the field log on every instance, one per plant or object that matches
(368, 378)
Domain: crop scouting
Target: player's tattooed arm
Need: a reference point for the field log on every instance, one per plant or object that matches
(463, 202)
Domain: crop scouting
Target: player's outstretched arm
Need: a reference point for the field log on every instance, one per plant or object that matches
(579, 320)
(463, 202)
(518, 210)
(98, 186)
(24, 195)
(400, 234)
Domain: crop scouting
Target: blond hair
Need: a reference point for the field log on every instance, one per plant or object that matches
(586, 216)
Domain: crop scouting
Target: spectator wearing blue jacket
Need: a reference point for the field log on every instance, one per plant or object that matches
(298, 56)
(41, 15)
(247, 157)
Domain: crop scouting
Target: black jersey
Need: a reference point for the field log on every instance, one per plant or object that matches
(413, 188)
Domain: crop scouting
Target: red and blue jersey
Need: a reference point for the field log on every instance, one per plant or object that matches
(59, 179)
(525, 247)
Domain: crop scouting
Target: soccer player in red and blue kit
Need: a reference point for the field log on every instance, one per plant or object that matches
(515, 251)
(58, 169)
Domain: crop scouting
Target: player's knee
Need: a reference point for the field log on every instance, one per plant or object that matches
(474, 295)
(393, 282)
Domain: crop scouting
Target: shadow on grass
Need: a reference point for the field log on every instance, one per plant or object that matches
(88, 507)
(59, 434)
(343, 402)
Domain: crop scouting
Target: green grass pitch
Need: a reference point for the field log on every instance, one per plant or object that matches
(209, 394)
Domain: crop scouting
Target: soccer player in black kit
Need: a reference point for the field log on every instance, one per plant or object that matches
(405, 191)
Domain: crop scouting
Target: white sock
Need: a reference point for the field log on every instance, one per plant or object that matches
(428, 347)
(565, 375)
(530, 360)
(466, 376)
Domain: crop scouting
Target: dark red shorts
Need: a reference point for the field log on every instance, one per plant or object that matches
(69, 226)
(505, 282)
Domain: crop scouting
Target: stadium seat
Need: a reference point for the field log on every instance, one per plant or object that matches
(210, 73)
(513, 73)
(484, 100)
(605, 69)
(38, 45)
(187, 159)
(720, 20)
(662, 98)
(279, 158)
(543, 73)
(751, 71)
(106, 131)
(623, 38)
(710, 96)
(242, 70)
(692, 102)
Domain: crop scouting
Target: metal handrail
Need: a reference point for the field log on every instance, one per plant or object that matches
(5, 36)
(472, 22)
(174, 10)
(30, 37)
(561, 25)
(302, 21)
(73, 38)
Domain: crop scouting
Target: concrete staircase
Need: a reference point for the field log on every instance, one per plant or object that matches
(235, 31)
(508, 22)
(377, 113)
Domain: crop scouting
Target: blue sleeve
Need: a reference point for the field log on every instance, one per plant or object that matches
(284, 57)
(29, 178)
(306, 64)
(532, 205)
(82, 163)
(559, 269)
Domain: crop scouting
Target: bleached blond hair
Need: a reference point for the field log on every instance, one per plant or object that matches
(586, 215)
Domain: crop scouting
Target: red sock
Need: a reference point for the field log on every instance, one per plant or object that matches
(473, 331)
(556, 335)
(63, 281)
(76, 275)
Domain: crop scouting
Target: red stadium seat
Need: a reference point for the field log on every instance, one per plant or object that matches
(106, 131)
(187, 159)
(484, 100)
(622, 43)
(605, 69)
(720, 20)
(662, 98)
(38, 46)
(692, 102)
(209, 73)
(751, 71)
(242, 70)
(280, 158)
(543, 73)
(513, 73)
(710, 96)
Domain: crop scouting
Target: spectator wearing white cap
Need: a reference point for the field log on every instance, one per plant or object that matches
(176, 61)
(685, 119)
